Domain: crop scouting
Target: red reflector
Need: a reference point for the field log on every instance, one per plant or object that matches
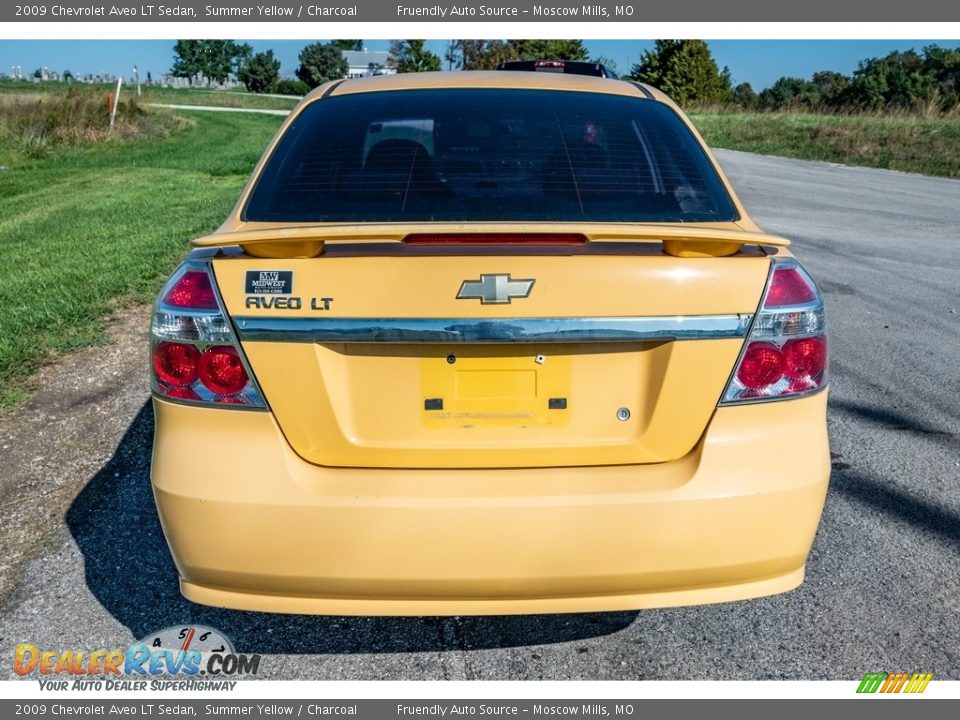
(222, 371)
(192, 290)
(789, 287)
(182, 393)
(176, 364)
(762, 364)
(496, 239)
(805, 358)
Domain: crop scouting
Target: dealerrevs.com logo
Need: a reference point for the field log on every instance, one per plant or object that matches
(189, 657)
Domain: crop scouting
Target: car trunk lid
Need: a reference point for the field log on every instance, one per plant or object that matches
(385, 354)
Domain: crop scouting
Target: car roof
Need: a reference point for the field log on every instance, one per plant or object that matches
(486, 79)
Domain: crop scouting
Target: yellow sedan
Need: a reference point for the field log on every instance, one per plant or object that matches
(488, 343)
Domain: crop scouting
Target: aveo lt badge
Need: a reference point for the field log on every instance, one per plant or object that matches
(497, 289)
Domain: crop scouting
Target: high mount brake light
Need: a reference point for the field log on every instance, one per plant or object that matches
(496, 239)
(195, 355)
(785, 355)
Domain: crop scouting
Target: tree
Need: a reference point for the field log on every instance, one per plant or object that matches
(548, 50)
(831, 87)
(186, 61)
(320, 63)
(943, 65)
(355, 45)
(412, 56)
(744, 96)
(896, 80)
(685, 70)
(488, 54)
(292, 87)
(483, 54)
(67, 76)
(791, 93)
(261, 73)
(452, 55)
(215, 60)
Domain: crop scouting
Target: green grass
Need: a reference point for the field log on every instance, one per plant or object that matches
(894, 141)
(89, 228)
(33, 125)
(154, 94)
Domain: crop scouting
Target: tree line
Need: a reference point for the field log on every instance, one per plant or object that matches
(218, 60)
(684, 69)
(927, 80)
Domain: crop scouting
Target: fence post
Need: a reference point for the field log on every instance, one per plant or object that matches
(116, 101)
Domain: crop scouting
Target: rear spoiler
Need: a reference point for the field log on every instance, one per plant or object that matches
(308, 241)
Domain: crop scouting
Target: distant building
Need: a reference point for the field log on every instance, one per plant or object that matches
(199, 80)
(363, 63)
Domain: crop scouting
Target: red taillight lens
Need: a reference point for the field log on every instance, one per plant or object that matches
(196, 358)
(805, 358)
(789, 287)
(182, 393)
(176, 364)
(192, 290)
(786, 351)
(762, 365)
(222, 371)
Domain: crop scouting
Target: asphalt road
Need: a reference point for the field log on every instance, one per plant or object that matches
(883, 585)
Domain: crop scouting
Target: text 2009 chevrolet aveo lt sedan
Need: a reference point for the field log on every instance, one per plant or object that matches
(478, 343)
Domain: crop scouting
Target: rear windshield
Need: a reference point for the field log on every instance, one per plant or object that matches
(456, 155)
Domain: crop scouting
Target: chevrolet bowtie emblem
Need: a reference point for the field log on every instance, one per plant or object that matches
(494, 289)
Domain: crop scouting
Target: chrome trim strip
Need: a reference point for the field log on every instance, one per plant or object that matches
(492, 330)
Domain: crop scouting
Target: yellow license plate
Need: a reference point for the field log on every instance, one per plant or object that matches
(496, 387)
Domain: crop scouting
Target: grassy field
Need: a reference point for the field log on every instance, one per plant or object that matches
(912, 143)
(91, 227)
(91, 220)
(154, 94)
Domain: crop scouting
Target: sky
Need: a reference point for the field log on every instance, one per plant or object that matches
(759, 62)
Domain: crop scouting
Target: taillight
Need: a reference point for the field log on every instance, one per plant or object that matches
(195, 355)
(789, 286)
(192, 290)
(761, 365)
(785, 354)
(176, 364)
(222, 371)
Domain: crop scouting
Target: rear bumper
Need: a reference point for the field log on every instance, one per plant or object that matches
(252, 526)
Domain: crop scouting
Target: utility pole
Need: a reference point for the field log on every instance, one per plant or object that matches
(136, 78)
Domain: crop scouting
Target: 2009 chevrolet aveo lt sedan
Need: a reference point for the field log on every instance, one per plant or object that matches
(484, 343)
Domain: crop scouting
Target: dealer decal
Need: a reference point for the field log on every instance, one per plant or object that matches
(269, 282)
(171, 659)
